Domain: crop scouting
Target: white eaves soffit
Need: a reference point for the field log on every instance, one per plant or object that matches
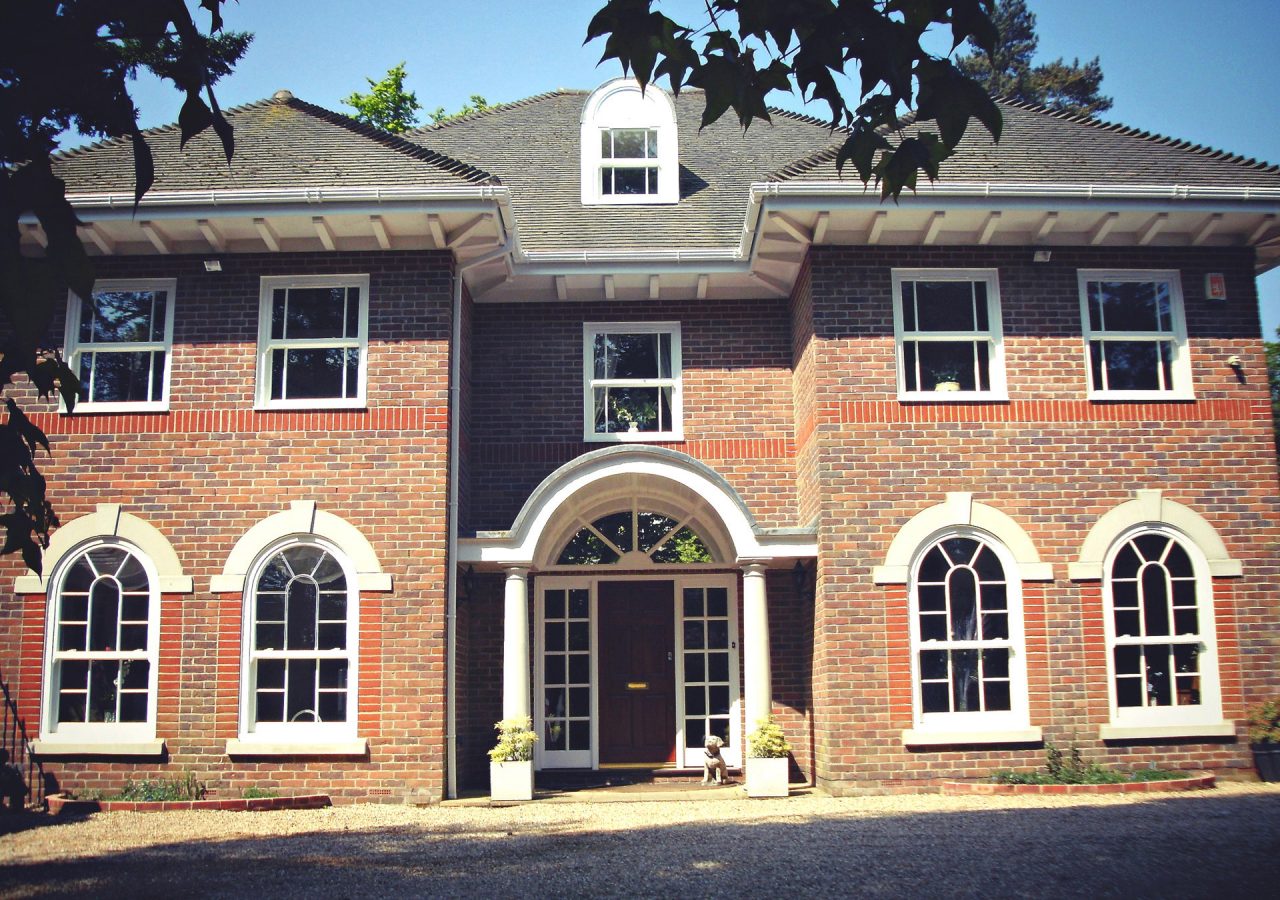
(783, 219)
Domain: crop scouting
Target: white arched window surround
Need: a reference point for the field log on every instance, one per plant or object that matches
(107, 524)
(975, 726)
(960, 515)
(111, 735)
(616, 113)
(299, 731)
(301, 521)
(1151, 512)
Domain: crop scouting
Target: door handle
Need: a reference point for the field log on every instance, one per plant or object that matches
(671, 657)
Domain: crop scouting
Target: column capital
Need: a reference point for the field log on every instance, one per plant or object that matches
(516, 571)
(753, 567)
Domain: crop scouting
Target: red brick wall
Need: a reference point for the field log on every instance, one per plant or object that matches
(206, 472)
(527, 405)
(1055, 463)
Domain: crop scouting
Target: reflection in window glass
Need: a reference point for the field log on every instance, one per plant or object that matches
(632, 380)
(1132, 332)
(660, 537)
(300, 655)
(103, 647)
(949, 333)
(566, 668)
(707, 642)
(962, 629)
(120, 347)
(314, 343)
(1155, 624)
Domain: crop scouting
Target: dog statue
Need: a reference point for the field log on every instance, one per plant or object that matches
(715, 770)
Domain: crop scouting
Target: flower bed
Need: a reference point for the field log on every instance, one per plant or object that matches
(1190, 783)
(60, 803)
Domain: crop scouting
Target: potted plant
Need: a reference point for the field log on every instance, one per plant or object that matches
(946, 378)
(1264, 738)
(767, 760)
(511, 761)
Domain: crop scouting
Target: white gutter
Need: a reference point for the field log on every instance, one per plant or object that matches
(309, 195)
(763, 189)
(451, 575)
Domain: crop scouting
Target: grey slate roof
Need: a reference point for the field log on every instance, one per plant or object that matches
(280, 143)
(532, 146)
(1038, 146)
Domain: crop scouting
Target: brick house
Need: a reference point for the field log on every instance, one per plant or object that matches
(570, 409)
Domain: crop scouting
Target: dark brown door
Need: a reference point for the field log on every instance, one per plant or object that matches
(637, 672)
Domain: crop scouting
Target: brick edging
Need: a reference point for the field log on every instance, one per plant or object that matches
(1191, 783)
(59, 803)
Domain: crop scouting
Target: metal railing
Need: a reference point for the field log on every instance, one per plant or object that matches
(17, 746)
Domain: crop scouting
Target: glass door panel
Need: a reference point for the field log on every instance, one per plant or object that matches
(709, 655)
(564, 678)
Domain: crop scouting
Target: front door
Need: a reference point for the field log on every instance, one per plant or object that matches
(637, 672)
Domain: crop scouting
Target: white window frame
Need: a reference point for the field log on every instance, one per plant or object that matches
(1014, 722)
(994, 335)
(621, 105)
(107, 734)
(1209, 710)
(298, 733)
(589, 382)
(1180, 364)
(75, 348)
(266, 344)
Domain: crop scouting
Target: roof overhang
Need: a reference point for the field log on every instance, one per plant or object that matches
(782, 221)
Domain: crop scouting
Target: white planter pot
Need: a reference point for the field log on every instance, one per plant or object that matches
(511, 780)
(767, 777)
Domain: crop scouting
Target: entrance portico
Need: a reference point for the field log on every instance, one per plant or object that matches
(635, 565)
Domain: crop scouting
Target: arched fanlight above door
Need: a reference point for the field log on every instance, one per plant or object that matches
(635, 537)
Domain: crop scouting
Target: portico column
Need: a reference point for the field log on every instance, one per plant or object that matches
(515, 645)
(755, 643)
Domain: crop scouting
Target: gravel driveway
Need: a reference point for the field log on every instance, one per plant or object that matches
(1217, 843)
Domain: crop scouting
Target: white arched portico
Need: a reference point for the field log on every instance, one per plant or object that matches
(588, 604)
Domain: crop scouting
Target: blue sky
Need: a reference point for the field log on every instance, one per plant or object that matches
(1187, 68)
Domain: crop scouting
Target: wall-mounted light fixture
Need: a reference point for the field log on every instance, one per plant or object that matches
(1042, 256)
(213, 265)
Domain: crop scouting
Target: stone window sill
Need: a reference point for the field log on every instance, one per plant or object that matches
(921, 737)
(97, 748)
(1157, 732)
(238, 747)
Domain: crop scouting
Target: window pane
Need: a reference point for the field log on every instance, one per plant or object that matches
(121, 316)
(694, 635)
(995, 662)
(314, 374)
(333, 706)
(271, 674)
(945, 306)
(579, 668)
(1126, 564)
(554, 601)
(964, 680)
(629, 409)
(553, 637)
(271, 606)
(628, 143)
(652, 528)
(695, 701)
(1133, 305)
(102, 690)
(935, 566)
(270, 706)
(693, 604)
(995, 626)
(586, 549)
(1128, 692)
(695, 732)
(910, 366)
(933, 627)
(132, 576)
(579, 735)
(933, 665)
(580, 702)
(932, 597)
(1159, 687)
(631, 356)
(118, 377)
(553, 669)
(333, 606)
(685, 547)
(1151, 546)
(935, 697)
(133, 707)
(1177, 562)
(1155, 600)
(105, 613)
(994, 597)
(964, 605)
(133, 637)
(302, 615)
(318, 312)
(1131, 365)
(995, 696)
(944, 361)
(717, 667)
(579, 636)
(629, 181)
(278, 299)
(72, 637)
(718, 699)
(717, 634)
(617, 527)
(579, 603)
(301, 704)
(332, 636)
(694, 667)
(717, 601)
(353, 312)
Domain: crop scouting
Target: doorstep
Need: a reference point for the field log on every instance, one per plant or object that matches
(635, 793)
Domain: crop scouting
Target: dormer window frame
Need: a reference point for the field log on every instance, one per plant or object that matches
(619, 106)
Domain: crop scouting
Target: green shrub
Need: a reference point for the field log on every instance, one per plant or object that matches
(1264, 722)
(253, 792)
(185, 788)
(515, 741)
(767, 741)
(1071, 768)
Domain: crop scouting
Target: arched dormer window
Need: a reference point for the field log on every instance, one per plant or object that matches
(632, 537)
(629, 146)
